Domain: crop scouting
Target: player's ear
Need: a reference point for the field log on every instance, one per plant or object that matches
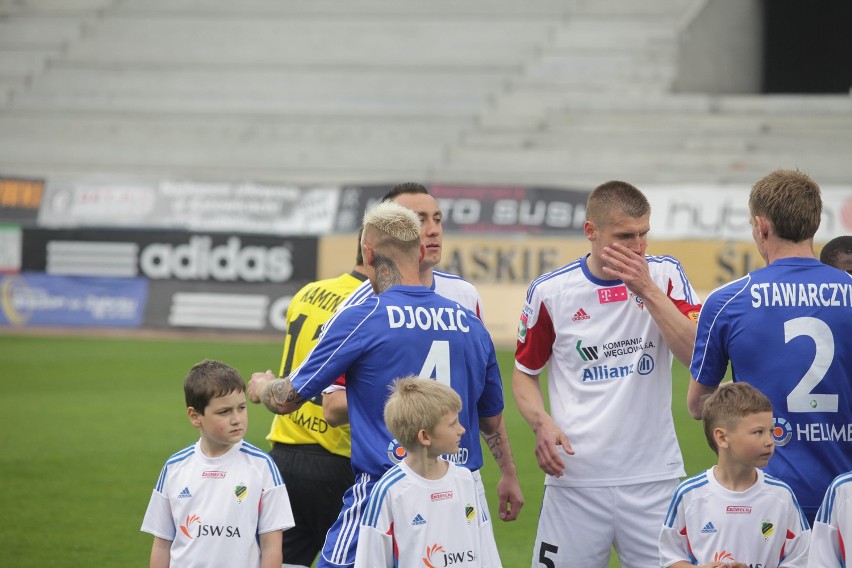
(424, 438)
(589, 230)
(720, 435)
(368, 254)
(194, 416)
(422, 253)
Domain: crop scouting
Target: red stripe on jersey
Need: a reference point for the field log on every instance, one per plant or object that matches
(684, 307)
(534, 352)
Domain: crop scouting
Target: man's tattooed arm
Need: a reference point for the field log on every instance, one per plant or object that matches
(280, 397)
(494, 441)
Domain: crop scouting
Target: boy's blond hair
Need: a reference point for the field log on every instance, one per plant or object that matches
(418, 404)
(731, 402)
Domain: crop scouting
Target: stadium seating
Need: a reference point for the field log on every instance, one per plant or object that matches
(557, 92)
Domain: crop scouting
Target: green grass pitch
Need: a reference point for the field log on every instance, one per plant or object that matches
(90, 421)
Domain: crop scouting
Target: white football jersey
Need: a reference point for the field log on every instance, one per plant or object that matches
(213, 509)
(413, 521)
(761, 526)
(609, 377)
(831, 538)
(444, 284)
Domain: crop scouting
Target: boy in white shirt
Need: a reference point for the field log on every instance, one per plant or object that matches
(220, 502)
(831, 537)
(425, 510)
(734, 515)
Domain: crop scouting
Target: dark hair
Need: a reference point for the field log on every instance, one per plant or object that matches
(359, 256)
(834, 248)
(210, 379)
(408, 187)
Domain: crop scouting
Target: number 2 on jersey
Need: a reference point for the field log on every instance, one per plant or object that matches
(801, 398)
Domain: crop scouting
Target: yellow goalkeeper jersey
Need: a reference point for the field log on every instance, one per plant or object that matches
(311, 307)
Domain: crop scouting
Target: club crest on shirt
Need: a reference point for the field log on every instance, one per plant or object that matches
(241, 491)
(767, 529)
(637, 301)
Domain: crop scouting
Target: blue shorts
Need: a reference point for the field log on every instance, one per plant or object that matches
(342, 537)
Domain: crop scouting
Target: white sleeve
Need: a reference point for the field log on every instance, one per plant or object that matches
(825, 547)
(158, 517)
(798, 539)
(275, 513)
(673, 544)
(374, 550)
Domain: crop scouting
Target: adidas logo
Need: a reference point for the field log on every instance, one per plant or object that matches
(708, 528)
(581, 315)
(418, 520)
(185, 494)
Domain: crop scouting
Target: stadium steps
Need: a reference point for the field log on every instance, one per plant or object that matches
(562, 92)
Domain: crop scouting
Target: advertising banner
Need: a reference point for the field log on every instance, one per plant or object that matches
(220, 306)
(10, 248)
(195, 206)
(31, 299)
(20, 200)
(483, 209)
(170, 255)
(719, 212)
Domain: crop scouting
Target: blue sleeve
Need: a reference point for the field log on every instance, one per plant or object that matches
(338, 347)
(491, 402)
(710, 354)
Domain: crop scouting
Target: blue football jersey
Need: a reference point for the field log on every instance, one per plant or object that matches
(787, 330)
(406, 330)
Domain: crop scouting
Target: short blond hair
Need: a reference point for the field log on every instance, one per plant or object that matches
(728, 404)
(418, 404)
(791, 201)
(615, 195)
(390, 226)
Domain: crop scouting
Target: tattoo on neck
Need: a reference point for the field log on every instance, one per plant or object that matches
(387, 273)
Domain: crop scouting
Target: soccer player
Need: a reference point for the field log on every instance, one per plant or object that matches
(425, 504)
(838, 253)
(734, 515)
(787, 330)
(405, 329)
(607, 324)
(832, 532)
(312, 455)
(220, 502)
(416, 197)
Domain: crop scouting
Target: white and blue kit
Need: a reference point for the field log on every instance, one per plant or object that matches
(787, 330)
(831, 536)
(410, 519)
(406, 330)
(214, 508)
(761, 526)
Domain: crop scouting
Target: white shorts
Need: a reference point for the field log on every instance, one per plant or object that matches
(578, 526)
